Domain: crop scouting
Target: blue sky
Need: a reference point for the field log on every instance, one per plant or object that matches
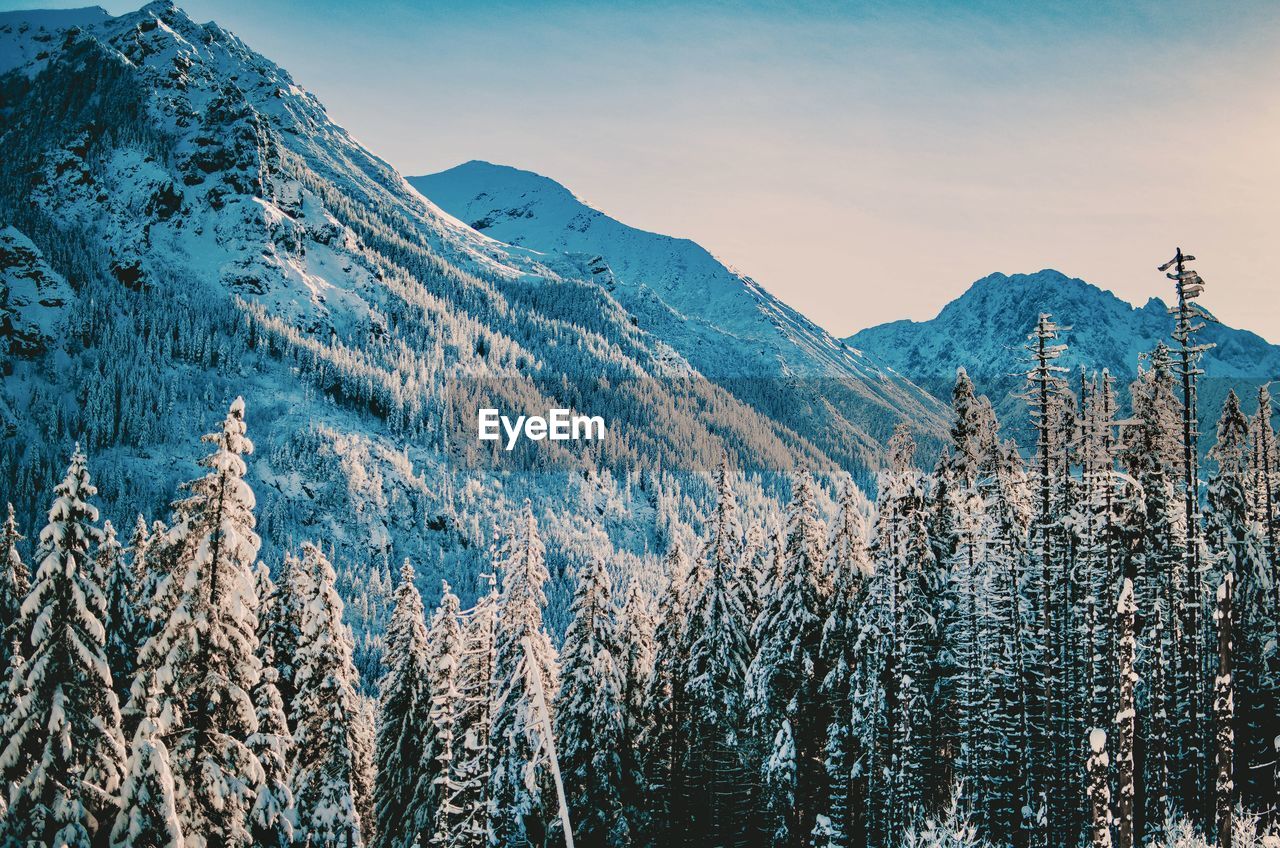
(865, 162)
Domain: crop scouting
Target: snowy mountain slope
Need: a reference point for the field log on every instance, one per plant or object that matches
(33, 298)
(983, 328)
(727, 325)
(220, 236)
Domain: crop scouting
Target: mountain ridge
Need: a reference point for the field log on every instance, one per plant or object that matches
(982, 331)
(725, 323)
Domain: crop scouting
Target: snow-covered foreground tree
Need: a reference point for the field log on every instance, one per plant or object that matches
(202, 664)
(526, 674)
(329, 772)
(63, 755)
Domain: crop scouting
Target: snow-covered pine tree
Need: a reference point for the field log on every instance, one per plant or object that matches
(271, 818)
(1168, 664)
(636, 628)
(1045, 398)
(524, 799)
(1264, 477)
(841, 821)
(148, 817)
(439, 784)
(718, 639)
(904, 561)
(404, 719)
(63, 754)
(1236, 548)
(1098, 790)
(1190, 690)
(202, 665)
(784, 678)
(1005, 751)
(590, 722)
(475, 722)
(326, 778)
(664, 763)
(1099, 553)
(15, 582)
(116, 579)
(281, 630)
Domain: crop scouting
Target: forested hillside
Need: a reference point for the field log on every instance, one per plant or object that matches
(184, 224)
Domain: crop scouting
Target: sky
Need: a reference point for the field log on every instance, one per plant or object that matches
(865, 162)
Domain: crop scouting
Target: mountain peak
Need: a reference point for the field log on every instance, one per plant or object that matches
(983, 330)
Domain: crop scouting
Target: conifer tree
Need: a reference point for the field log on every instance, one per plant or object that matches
(122, 631)
(439, 785)
(591, 727)
(841, 821)
(404, 719)
(281, 631)
(784, 678)
(271, 818)
(525, 674)
(475, 722)
(326, 774)
(904, 560)
(202, 665)
(636, 666)
(1167, 665)
(1236, 548)
(63, 754)
(148, 817)
(15, 582)
(664, 765)
(718, 653)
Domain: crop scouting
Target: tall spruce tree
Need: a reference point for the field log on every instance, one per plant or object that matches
(63, 756)
(526, 674)
(475, 723)
(1237, 548)
(636, 665)
(15, 582)
(202, 664)
(783, 681)
(116, 578)
(841, 821)
(439, 785)
(271, 818)
(404, 719)
(326, 772)
(904, 563)
(665, 762)
(591, 725)
(718, 638)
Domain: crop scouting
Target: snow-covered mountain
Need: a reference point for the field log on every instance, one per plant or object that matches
(982, 330)
(181, 223)
(724, 323)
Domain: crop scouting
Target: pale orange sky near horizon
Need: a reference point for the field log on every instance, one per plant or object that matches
(864, 162)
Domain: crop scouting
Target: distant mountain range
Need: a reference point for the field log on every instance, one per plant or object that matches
(984, 329)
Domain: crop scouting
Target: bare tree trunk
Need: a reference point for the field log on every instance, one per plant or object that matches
(1126, 714)
(1224, 713)
(1098, 790)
